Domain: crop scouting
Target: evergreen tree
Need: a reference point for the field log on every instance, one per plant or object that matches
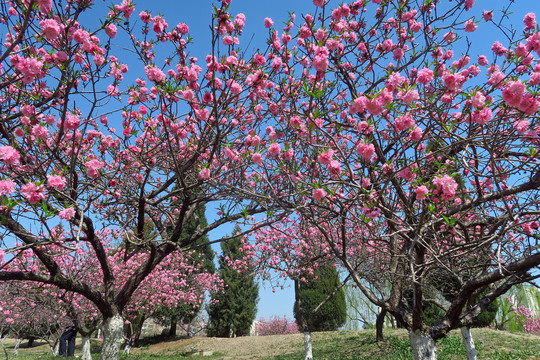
(333, 313)
(233, 310)
(185, 313)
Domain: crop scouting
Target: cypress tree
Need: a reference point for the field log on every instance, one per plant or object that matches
(203, 254)
(233, 310)
(333, 313)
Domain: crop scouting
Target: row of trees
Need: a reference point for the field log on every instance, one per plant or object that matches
(371, 134)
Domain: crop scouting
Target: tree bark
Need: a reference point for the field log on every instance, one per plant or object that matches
(379, 325)
(423, 346)
(16, 348)
(302, 323)
(86, 350)
(172, 329)
(468, 341)
(113, 331)
(308, 346)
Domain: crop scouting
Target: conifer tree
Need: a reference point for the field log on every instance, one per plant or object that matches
(233, 310)
(185, 313)
(331, 315)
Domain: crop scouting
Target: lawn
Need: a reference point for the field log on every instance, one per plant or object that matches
(358, 345)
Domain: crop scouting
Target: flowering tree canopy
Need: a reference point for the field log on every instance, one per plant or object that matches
(376, 121)
(419, 156)
(88, 158)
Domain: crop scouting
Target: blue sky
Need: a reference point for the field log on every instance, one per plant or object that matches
(197, 14)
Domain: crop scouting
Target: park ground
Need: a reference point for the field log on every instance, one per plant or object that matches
(357, 345)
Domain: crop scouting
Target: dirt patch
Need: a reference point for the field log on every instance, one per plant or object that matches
(249, 347)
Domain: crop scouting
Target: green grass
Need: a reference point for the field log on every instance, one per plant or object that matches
(349, 345)
(361, 345)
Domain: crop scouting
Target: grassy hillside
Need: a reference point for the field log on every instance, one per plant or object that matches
(357, 345)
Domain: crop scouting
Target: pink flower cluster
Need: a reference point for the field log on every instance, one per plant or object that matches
(276, 326)
(446, 187)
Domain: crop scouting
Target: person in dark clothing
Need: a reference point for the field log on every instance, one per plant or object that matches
(68, 336)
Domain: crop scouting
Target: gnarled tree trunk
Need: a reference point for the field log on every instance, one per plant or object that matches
(468, 341)
(423, 346)
(379, 325)
(113, 336)
(86, 349)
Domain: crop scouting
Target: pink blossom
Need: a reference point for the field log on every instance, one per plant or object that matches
(204, 173)
(416, 134)
(453, 81)
(425, 76)
(318, 194)
(56, 181)
(98, 59)
(404, 122)
(126, 8)
(374, 106)
(498, 48)
(513, 92)
(409, 96)
(67, 214)
(406, 173)
(530, 21)
(421, 192)
(334, 167)
(326, 158)
(183, 28)
(9, 155)
(274, 150)
(268, 22)
(482, 60)
(521, 126)
(446, 185)
(257, 158)
(51, 28)
(92, 167)
(529, 104)
(366, 151)
(318, 3)
(478, 100)
(7, 187)
(483, 116)
(81, 36)
(111, 30)
(154, 73)
(358, 105)
(32, 192)
(488, 15)
(469, 4)
(470, 26)
(45, 6)
(2, 254)
(72, 122)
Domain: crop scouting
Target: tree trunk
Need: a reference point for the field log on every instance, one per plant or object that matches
(113, 335)
(86, 350)
(302, 323)
(468, 341)
(423, 346)
(307, 346)
(172, 329)
(379, 325)
(30, 342)
(16, 348)
(55, 347)
(3, 347)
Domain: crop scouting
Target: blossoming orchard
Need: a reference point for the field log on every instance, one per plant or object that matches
(373, 127)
